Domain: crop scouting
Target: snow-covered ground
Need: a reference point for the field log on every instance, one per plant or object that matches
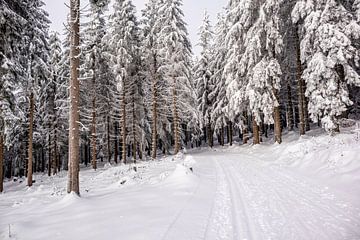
(307, 188)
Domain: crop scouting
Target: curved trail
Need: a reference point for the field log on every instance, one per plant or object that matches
(240, 197)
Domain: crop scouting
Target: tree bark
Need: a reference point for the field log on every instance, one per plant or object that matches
(134, 130)
(93, 135)
(49, 156)
(176, 121)
(123, 122)
(154, 117)
(289, 110)
(108, 139)
(30, 147)
(256, 134)
(210, 134)
(277, 119)
(300, 81)
(116, 142)
(93, 115)
(1, 163)
(245, 129)
(222, 135)
(73, 175)
(231, 132)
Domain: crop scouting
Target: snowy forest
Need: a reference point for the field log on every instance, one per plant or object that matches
(123, 87)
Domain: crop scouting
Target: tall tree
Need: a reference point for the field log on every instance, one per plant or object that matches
(203, 73)
(176, 65)
(96, 79)
(37, 65)
(73, 174)
(328, 49)
(123, 39)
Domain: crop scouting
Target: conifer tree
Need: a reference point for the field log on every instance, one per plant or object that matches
(176, 65)
(328, 49)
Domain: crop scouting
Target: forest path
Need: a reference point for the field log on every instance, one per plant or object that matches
(228, 196)
(240, 197)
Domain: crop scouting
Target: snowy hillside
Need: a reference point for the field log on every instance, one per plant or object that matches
(305, 188)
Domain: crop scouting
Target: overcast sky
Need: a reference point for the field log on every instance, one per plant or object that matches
(193, 10)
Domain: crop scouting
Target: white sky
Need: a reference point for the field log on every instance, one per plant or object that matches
(193, 10)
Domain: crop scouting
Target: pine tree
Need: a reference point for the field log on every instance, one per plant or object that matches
(96, 80)
(219, 112)
(53, 109)
(152, 77)
(175, 65)
(37, 51)
(203, 73)
(123, 39)
(11, 22)
(328, 50)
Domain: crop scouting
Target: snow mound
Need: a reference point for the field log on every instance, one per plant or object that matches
(181, 174)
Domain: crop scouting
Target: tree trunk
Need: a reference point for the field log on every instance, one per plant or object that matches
(256, 134)
(222, 136)
(300, 81)
(289, 110)
(55, 157)
(73, 175)
(93, 135)
(134, 130)
(176, 121)
(108, 139)
(1, 163)
(116, 142)
(277, 119)
(123, 122)
(306, 104)
(210, 134)
(50, 157)
(154, 119)
(93, 121)
(231, 132)
(30, 147)
(245, 129)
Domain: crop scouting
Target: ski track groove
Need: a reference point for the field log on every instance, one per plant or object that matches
(238, 207)
(311, 200)
(210, 218)
(180, 212)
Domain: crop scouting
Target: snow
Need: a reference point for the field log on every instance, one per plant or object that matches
(305, 188)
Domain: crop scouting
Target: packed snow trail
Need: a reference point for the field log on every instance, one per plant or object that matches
(232, 196)
(256, 201)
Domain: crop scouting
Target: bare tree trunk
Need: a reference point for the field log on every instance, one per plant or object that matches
(245, 130)
(277, 119)
(123, 122)
(231, 132)
(176, 121)
(93, 121)
(210, 134)
(1, 163)
(93, 135)
(256, 137)
(55, 157)
(30, 147)
(289, 110)
(50, 157)
(222, 136)
(301, 87)
(108, 139)
(306, 104)
(154, 119)
(116, 143)
(134, 130)
(73, 180)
